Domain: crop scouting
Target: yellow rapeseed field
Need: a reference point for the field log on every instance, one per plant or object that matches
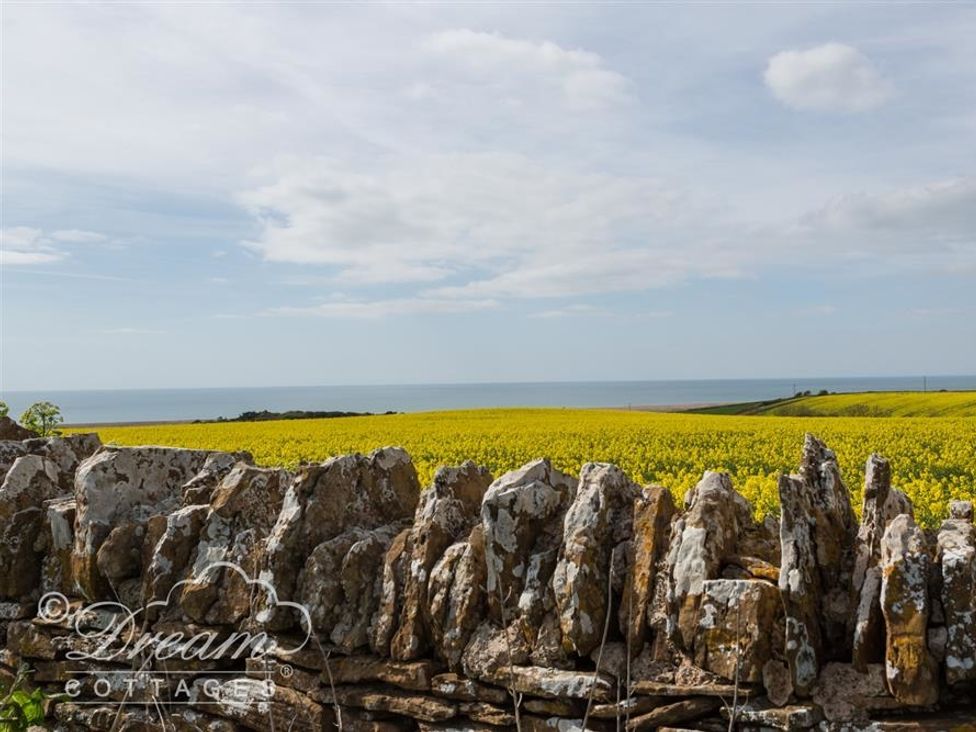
(934, 459)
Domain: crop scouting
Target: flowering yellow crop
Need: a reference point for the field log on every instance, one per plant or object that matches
(933, 459)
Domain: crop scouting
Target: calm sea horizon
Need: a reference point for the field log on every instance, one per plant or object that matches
(146, 405)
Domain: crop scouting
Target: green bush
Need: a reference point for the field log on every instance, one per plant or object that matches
(19, 708)
(44, 418)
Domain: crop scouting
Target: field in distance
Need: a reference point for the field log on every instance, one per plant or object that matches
(863, 404)
(932, 458)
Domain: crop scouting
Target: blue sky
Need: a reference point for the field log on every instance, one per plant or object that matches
(206, 195)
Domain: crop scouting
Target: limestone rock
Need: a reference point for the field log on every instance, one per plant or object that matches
(119, 485)
(599, 519)
(66, 452)
(522, 514)
(341, 584)
(961, 510)
(457, 596)
(848, 695)
(10, 430)
(394, 701)
(30, 481)
(259, 705)
(551, 683)
(736, 628)
(412, 675)
(869, 629)
(777, 682)
(789, 719)
(817, 531)
(452, 686)
(700, 540)
(244, 508)
(447, 512)
(491, 651)
(10, 450)
(59, 536)
(120, 555)
(653, 510)
(910, 670)
(393, 580)
(682, 711)
(347, 492)
(199, 489)
(957, 557)
(172, 550)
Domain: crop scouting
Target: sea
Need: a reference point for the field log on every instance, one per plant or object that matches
(163, 405)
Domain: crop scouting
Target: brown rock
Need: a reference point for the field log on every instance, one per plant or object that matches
(700, 540)
(244, 509)
(653, 511)
(848, 695)
(599, 519)
(452, 686)
(393, 701)
(171, 551)
(735, 629)
(59, 537)
(120, 555)
(394, 577)
(30, 481)
(777, 682)
(10, 430)
(457, 596)
(682, 711)
(257, 704)
(447, 512)
(790, 719)
(957, 559)
(491, 650)
(487, 714)
(199, 489)
(555, 683)
(123, 485)
(911, 672)
(324, 501)
(413, 675)
(522, 514)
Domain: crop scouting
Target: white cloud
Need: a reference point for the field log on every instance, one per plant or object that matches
(580, 76)
(25, 245)
(830, 78)
(385, 308)
(568, 311)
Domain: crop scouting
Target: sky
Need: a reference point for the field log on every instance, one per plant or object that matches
(298, 194)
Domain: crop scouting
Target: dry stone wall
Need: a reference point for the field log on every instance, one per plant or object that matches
(160, 588)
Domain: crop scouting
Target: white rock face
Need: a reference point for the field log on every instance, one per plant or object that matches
(124, 485)
(957, 556)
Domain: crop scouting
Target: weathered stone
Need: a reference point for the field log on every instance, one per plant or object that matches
(750, 568)
(599, 519)
(487, 714)
(700, 540)
(452, 686)
(413, 675)
(736, 628)
(869, 631)
(682, 711)
(220, 588)
(446, 514)
(394, 577)
(632, 707)
(615, 660)
(653, 510)
(324, 501)
(66, 452)
(171, 552)
(777, 682)
(119, 485)
(199, 489)
(848, 695)
(911, 672)
(120, 555)
(394, 701)
(957, 558)
(791, 719)
(522, 514)
(30, 481)
(10, 450)
(286, 674)
(341, 584)
(554, 707)
(936, 639)
(259, 705)
(555, 683)
(961, 510)
(657, 688)
(457, 596)
(10, 430)
(59, 537)
(490, 650)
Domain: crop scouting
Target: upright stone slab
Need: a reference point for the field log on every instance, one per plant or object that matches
(123, 485)
(817, 534)
(957, 558)
(522, 515)
(597, 524)
(447, 512)
(29, 483)
(227, 559)
(324, 501)
(653, 512)
(700, 540)
(910, 670)
(457, 596)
